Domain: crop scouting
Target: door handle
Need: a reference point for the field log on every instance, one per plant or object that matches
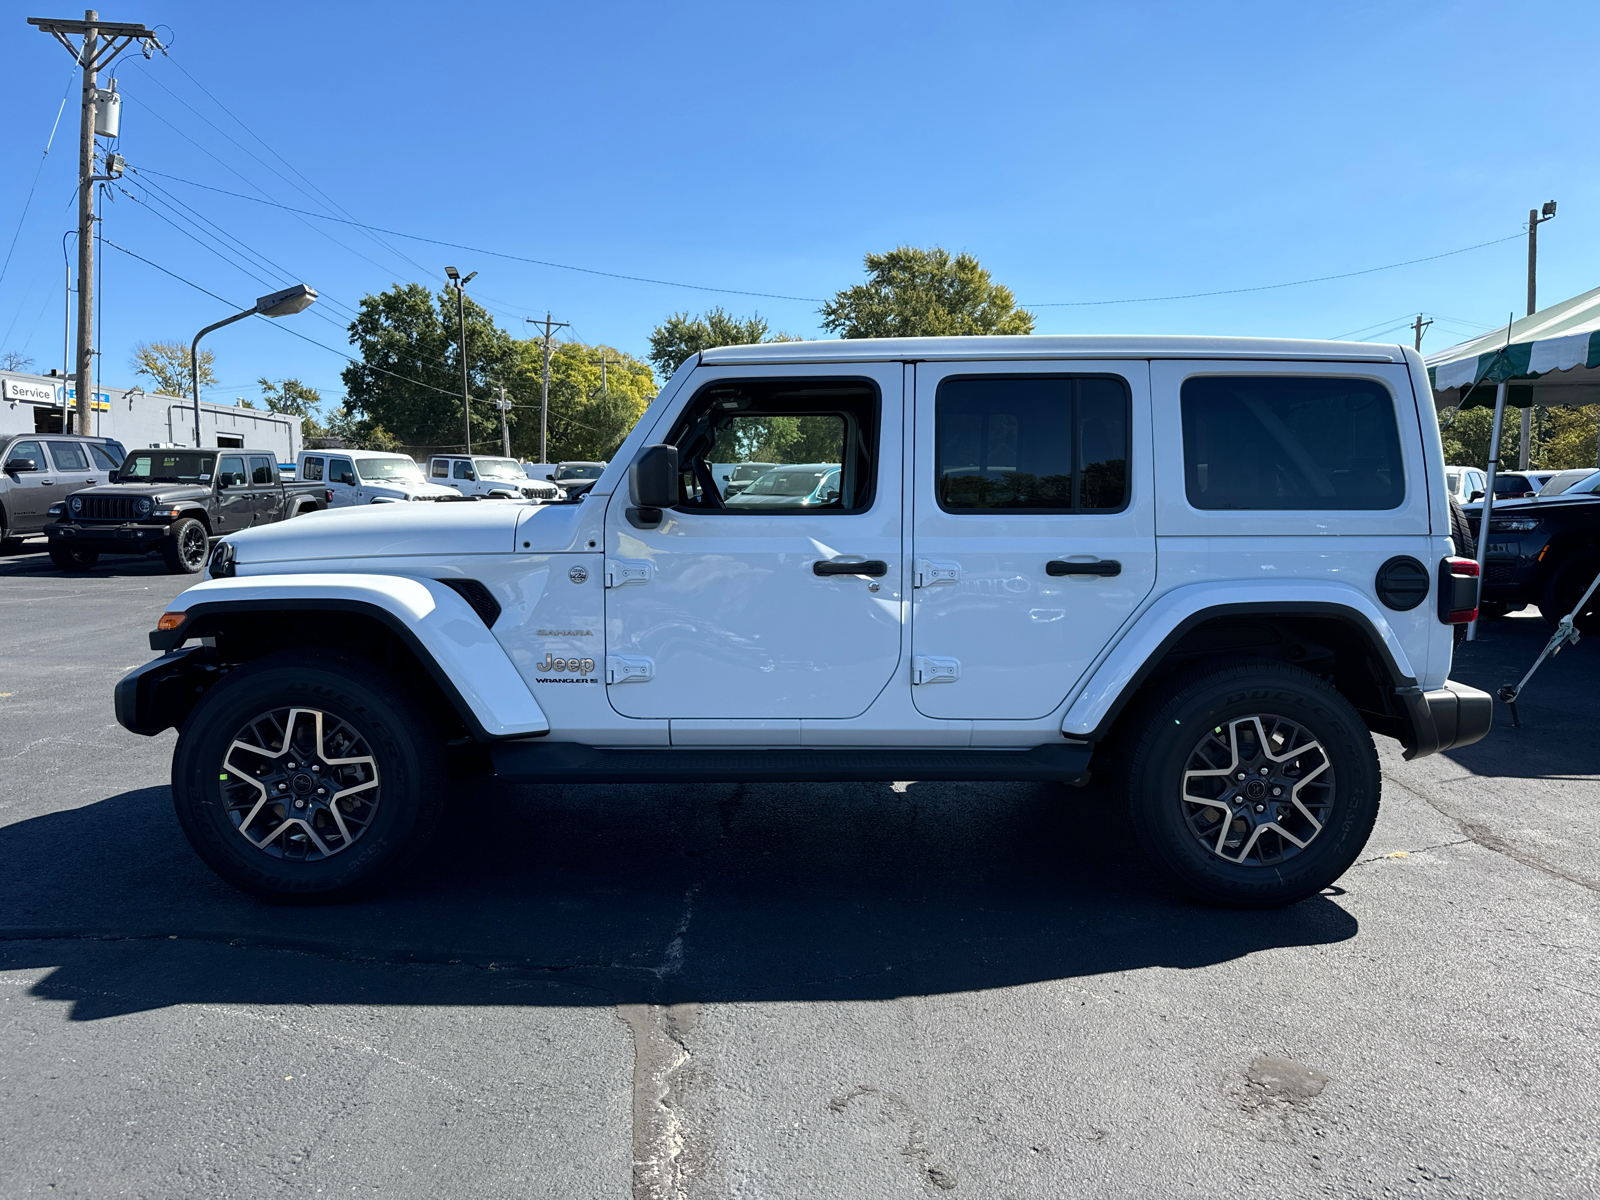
(873, 566)
(1101, 566)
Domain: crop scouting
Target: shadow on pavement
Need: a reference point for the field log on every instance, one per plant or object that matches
(1558, 738)
(32, 558)
(601, 895)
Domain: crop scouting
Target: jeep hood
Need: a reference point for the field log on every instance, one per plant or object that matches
(171, 491)
(383, 531)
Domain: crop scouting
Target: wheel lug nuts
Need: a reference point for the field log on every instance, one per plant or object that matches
(283, 787)
(1240, 776)
(1261, 808)
(322, 791)
(291, 766)
(315, 767)
(1277, 791)
(1264, 771)
(299, 803)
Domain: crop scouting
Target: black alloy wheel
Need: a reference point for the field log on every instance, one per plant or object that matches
(1565, 589)
(1254, 785)
(185, 546)
(72, 558)
(309, 777)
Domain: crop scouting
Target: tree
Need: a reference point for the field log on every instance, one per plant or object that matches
(407, 382)
(681, 336)
(587, 421)
(1564, 438)
(15, 360)
(295, 399)
(924, 293)
(167, 363)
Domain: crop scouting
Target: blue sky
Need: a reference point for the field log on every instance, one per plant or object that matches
(1083, 152)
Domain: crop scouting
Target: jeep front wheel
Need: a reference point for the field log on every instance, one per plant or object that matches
(184, 548)
(308, 778)
(1254, 786)
(72, 558)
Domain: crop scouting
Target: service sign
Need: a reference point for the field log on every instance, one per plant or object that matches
(39, 393)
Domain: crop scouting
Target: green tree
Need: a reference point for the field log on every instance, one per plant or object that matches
(167, 363)
(681, 336)
(588, 420)
(912, 292)
(295, 399)
(1563, 438)
(407, 382)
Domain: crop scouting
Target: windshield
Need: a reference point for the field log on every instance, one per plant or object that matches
(579, 471)
(498, 468)
(376, 470)
(168, 466)
(1563, 481)
(786, 483)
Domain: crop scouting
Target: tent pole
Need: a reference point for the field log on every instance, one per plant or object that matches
(1488, 501)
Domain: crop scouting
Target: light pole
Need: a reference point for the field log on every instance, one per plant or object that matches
(460, 284)
(279, 304)
(1536, 218)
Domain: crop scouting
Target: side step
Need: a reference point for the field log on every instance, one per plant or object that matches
(568, 762)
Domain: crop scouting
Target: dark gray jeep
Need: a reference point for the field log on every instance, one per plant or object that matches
(172, 502)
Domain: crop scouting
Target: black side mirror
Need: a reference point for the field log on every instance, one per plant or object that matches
(224, 481)
(17, 465)
(652, 485)
(113, 477)
(1474, 496)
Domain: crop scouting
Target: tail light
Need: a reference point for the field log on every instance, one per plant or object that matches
(1458, 591)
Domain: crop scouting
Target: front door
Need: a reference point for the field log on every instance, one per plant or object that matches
(235, 501)
(1033, 529)
(781, 602)
(30, 487)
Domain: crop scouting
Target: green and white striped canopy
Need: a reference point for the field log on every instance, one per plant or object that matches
(1550, 357)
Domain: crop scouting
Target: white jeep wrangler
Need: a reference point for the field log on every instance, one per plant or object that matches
(1206, 568)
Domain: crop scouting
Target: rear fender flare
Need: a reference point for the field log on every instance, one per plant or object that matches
(1120, 672)
(448, 638)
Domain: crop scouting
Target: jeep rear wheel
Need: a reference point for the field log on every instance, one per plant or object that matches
(184, 548)
(1254, 785)
(308, 778)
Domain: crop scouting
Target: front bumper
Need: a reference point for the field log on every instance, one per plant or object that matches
(160, 694)
(126, 538)
(1454, 716)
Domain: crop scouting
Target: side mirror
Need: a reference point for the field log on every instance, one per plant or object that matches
(17, 465)
(113, 477)
(652, 485)
(1474, 496)
(224, 481)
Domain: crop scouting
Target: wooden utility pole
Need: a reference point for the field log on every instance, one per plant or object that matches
(1417, 327)
(544, 385)
(505, 429)
(102, 42)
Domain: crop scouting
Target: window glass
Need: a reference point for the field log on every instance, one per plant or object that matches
(794, 445)
(231, 468)
(171, 466)
(313, 469)
(340, 471)
(505, 470)
(463, 469)
(30, 450)
(260, 470)
(441, 468)
(377, 470)
(104, 459)
(1290, 442)
(569, 471)
(69, 456)
(1040, 444)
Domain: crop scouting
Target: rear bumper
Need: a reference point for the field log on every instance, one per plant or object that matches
(1455, 715)
(128, 538)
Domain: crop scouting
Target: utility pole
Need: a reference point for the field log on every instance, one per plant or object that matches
(102, 42)
(1536, 218)
(544, 385)
(460, 285)
(1417, 327)
(505, 430)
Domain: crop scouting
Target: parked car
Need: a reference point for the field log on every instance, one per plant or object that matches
(1544, 552)
(486, 477)
(573, 478)
(1465, 482)
(800, 485)
(1046, 560)
(1563, 481)
(733, 478)
(38, 471)
(368, 477)
(171, 502)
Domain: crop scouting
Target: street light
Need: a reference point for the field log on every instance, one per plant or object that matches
(460, 285)
(279, 304)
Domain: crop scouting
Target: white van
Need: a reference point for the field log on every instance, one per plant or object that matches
(368, 477)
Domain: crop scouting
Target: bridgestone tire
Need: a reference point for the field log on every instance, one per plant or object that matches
(1565, 588)
(404, 743)
(71, 558)
(185, 547)
(1168, 730)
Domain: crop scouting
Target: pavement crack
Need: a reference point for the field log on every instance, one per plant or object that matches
(1393, 854)
(661, 1056)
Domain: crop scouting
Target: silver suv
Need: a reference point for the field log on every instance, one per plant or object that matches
(37, 470)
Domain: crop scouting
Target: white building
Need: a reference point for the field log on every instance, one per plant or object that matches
(134, 417)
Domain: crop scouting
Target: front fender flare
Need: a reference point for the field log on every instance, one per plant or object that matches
(441, 629)
(1126, 665)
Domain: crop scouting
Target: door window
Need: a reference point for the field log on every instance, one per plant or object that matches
(69, 456)
(464, 469)
(441, 468)
(104, 460)
(231, 469)
(28, 450)
(260, 470)
(340, 471)
(1290, 442)
(814, 440)
(1035, 444)
(313, 469)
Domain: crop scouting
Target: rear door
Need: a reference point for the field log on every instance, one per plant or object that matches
(71, 471)
(266, 491)
(1033, 529)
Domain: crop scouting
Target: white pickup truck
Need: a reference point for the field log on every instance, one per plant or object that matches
(1205, 569)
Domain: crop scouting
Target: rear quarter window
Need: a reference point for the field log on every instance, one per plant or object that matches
(1263, 442)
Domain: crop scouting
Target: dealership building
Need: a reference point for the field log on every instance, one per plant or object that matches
(136, 418)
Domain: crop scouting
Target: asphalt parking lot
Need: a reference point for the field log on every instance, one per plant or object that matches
(786, 991)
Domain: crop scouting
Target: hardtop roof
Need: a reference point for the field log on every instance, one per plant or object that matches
(1037, 346)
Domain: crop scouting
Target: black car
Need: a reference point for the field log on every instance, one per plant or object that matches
(172, 502)
(1544, 552)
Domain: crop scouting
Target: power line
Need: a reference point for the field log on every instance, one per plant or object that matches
(37, 171)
